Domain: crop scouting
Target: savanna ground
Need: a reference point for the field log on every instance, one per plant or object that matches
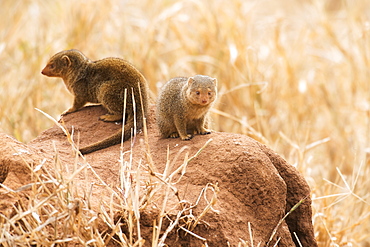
(292, 74)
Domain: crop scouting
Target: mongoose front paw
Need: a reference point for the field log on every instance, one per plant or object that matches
(110, 118)
(70, 110)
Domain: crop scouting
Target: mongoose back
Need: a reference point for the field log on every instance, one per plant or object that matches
(182, 106)
(103, 81)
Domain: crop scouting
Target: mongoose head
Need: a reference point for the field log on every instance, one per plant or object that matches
(62, 63)
(202, 90)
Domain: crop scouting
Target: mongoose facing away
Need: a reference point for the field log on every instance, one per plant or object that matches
(103, 81)
(182, 106)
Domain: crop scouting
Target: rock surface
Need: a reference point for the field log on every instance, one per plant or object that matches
(255, 187)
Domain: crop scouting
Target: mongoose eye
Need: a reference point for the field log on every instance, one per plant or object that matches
(209, 93)
(51, 66)
(197, 92)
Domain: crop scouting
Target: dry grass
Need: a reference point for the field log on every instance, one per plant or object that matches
(292, 74)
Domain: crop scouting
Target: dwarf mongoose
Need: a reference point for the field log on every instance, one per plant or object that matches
(103, 81)
(183, 104)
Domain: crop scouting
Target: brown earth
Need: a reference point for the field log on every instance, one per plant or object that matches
(255, 187)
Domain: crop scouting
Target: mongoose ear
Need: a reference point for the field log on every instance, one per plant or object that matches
(66, 61)
(214, 80)
(190, 80)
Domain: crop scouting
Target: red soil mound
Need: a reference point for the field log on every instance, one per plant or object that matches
(255, 187)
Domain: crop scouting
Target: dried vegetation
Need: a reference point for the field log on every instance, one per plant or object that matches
(292, 74)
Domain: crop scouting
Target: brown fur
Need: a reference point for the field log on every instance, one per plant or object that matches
(103, 81)
(183, 104)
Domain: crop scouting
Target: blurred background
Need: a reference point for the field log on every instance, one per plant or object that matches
(292, 74)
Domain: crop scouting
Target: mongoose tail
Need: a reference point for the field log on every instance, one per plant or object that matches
(132, 126)
(109, 141)
(114, 139)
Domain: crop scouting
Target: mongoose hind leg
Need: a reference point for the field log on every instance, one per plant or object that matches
(186, 138)
(204, 131)
(199, 127)
(111, 97)
(174, 135)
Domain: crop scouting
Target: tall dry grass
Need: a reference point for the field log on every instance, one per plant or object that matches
(292, 74)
